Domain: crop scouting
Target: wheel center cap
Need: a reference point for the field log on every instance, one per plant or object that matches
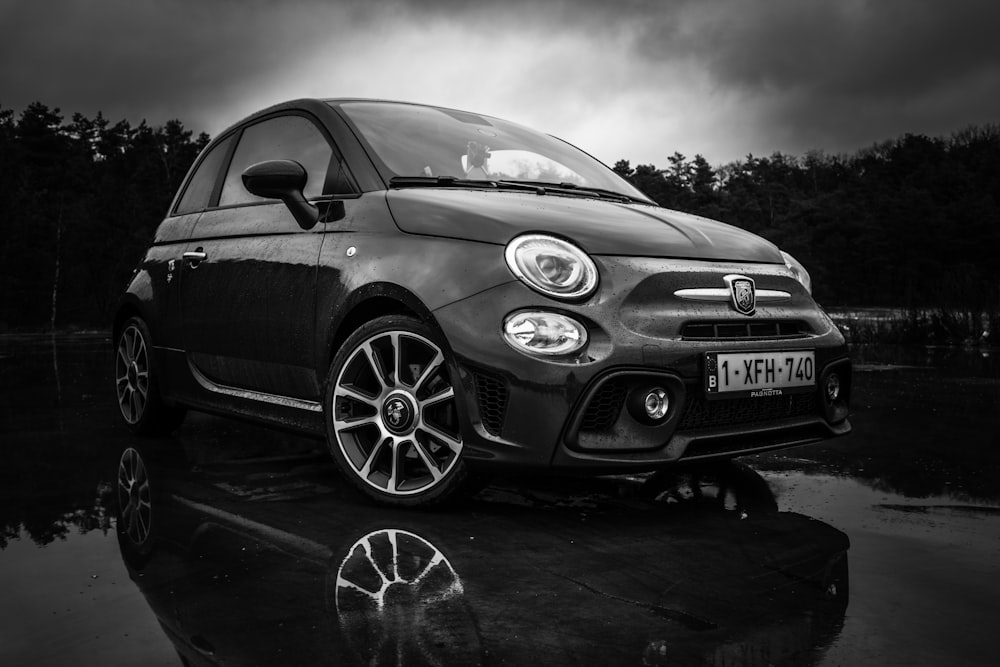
(399, 413)
(133, 375)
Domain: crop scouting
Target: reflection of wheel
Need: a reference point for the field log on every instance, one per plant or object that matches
(400, 601)
(135, 383)
(392, 417)
(135, 505)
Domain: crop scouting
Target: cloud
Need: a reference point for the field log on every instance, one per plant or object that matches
(843, 74)
(632, 79)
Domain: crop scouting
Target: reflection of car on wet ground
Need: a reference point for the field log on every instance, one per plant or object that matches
(263, 563)
(437, 292)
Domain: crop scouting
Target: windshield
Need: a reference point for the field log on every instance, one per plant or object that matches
(411, 140)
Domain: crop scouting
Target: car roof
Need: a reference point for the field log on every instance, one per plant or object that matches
(319, 106)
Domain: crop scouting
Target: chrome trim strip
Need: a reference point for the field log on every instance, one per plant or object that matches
(723, 294)
(772, 296)
(247, 394)
(704, 294)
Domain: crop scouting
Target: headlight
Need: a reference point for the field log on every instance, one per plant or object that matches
(552, 266)
(544, 333)
(798, 271)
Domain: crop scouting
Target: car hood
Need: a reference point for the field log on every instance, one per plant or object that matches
(599, 227)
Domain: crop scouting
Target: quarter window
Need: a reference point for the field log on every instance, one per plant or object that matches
(282, 138)
(199, 189)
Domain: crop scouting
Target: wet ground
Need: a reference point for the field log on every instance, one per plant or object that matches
(245, 548)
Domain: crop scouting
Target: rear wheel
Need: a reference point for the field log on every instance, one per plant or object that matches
(136, 383)
(392, 416)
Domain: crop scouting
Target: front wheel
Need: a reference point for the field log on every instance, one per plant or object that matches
(392, 416)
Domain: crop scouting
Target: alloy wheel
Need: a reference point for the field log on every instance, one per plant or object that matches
(134, 498)
(132, 374)
(394, 414)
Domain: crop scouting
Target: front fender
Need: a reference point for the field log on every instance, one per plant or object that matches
(435, 272)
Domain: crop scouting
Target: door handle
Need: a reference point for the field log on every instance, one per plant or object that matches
(194, 257)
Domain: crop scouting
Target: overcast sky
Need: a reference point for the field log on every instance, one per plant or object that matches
(633, 79)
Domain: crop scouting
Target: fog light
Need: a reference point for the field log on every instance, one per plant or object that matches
(832, 387)
(656, 403)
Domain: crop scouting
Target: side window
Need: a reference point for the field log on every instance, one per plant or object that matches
(199, 188)
(281, 138)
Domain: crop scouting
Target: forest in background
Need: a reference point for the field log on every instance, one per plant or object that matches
(910, 223)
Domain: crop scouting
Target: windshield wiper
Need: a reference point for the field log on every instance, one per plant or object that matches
(571, 188)
(438, 182)
(539, 187)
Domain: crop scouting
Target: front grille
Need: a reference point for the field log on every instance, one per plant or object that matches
(605, 406)
(745, 330)
(491, 394)
(700, 413)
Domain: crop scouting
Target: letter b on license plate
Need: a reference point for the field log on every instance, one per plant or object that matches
(759, 374)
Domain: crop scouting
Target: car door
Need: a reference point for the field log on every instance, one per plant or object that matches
(248, 295)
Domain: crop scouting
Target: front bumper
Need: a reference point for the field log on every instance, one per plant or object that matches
(572, 413)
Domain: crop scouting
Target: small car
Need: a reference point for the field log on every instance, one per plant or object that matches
(440, 294)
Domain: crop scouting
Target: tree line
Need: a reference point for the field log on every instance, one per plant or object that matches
(79, 202)
(912, 222)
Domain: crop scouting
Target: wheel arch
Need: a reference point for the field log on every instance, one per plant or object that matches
(367, 303)
(128, 307)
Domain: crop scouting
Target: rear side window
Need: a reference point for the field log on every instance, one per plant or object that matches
(282, 138)
(202, 183)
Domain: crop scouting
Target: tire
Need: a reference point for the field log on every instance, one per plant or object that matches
(137, 385)
(392, 417)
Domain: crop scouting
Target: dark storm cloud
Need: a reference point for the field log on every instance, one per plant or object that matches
(840, 74)
(144, 58)
(722, 77)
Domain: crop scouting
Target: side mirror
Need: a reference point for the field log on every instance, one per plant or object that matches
(284, 180)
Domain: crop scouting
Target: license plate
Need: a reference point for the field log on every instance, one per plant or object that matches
(759, 374)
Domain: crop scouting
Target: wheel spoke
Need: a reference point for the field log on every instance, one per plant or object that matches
(373, 361)
(431, 564)
(344, 391)
(432, 366)
(122, 354)
(394, 466)
(131, 335)
(439, 397)
(428, 460)
(355, 423)
(143, 525)
(395, 557)
(397, 357)
(366, 469)
(375, 566)
(126, 403)
(347, 583)
(449, 441)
